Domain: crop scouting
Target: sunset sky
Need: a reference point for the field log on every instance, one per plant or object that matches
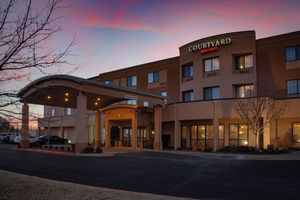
(114, 34)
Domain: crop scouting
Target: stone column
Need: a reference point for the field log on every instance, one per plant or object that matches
(157, 127)
(216, 127)
(107, 133)
(97, 133)
(81, 132)
(177, 130)
(25, 126)
(134, 127)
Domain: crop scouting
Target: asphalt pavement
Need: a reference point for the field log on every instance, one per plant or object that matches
(205, 177)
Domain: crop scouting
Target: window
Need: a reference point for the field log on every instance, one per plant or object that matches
(243, 62)
(243, 91)
(187, 96)
(109, 82)
(296, 132)
(238, 135)
(164, 93)
(211, 93)
(292, 53)
(67, 111)
(293, 86)
(153, 77)
(146, 104)
(131, 102)
(131, 81)
(211, 64)
(187, 70)
(53, 112)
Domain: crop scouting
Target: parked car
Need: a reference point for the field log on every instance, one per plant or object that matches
(4, 137)
(51, 139)
(18, 138)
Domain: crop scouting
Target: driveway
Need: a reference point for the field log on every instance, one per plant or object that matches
(164, 173)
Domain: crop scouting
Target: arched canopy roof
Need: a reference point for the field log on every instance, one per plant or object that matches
(62, 91)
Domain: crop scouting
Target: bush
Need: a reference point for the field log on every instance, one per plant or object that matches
(238, 149)
(88, 150)
(98, 150)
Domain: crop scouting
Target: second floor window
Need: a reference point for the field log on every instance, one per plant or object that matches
(243, 91)
(293, 86)
(109, 82)
(187, 96)
(67, 111)
(164, 93)
(153, 77)
(53, 112)
(131, 81)
(244, 61)
(211, 64)
(211, 93)
(187, 70)
(292, 53)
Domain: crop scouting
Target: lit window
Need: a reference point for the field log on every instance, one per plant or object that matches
(243, 91)
(245, 61)
(211, 93)
(238, 135)
(146, 104)
(53, 112)
(164, 93)
(131, 81)
(109, 82)
(187, 70)
(296, 132)
(292, 53)
(153, 77)
(293, 86)
(187, 96)
(211, 64)
(67, 111)
(131, 102)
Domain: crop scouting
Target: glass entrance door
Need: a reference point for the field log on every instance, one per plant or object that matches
(127, 134)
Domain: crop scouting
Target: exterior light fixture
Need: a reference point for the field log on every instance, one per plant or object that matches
(96, 103)
(66, 99)
(66, 94)
(98, 99)
(48, 97)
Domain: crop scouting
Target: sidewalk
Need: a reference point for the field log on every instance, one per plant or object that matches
(17, 186)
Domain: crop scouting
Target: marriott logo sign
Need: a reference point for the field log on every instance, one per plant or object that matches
(213, 45)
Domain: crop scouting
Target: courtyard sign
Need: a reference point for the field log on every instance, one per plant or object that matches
(209, 46)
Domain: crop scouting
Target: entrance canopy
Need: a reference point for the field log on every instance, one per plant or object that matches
(63, 90)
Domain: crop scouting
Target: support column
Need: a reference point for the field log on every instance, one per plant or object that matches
(267, 136)
(81, 132)
(97, 133)
(121, 136)
(25, 126)
(216, 127)
(134, 127)
(107, 133)
(177, 130)
(157, 127)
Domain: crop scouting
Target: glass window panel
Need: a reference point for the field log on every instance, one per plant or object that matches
(215, 64)
(207, 64)
(146, 104)
(292, 86)
(209, 132)
(194, 132)
(155, 77)
(184, 132)
(221, 132)
(233, 131)
(207, 93)
(248, 61)
(242, 62)
(298, 53)
(150, 77)
(243, 142)
(164, 94)
(290, 53)
(243, 132)
(296, 132)
(216, 93)
(134, 80)
(298, 86)
(201, 132)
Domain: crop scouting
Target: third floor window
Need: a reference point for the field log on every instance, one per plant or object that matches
(211, 64)
(212, 93)
(187, 96)
(131, 81)
(292, 53)
(244, 61)
(243, 91)
(187, 70)
(153, 77)
(293, 86)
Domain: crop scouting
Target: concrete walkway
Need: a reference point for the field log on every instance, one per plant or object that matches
(17, 186)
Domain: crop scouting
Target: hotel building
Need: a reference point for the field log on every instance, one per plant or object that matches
(184, 102)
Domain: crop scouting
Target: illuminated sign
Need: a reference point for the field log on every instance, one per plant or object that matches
(210, 46)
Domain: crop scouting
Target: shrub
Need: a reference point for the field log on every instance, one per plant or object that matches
(98, 150)
(88, 150)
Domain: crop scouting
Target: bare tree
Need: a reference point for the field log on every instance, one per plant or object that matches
(258, 113)
(26, 30)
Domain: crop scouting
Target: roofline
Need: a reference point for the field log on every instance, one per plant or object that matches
(85, 81)
(140, 65)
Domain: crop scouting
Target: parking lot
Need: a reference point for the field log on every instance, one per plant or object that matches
(164, 173)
